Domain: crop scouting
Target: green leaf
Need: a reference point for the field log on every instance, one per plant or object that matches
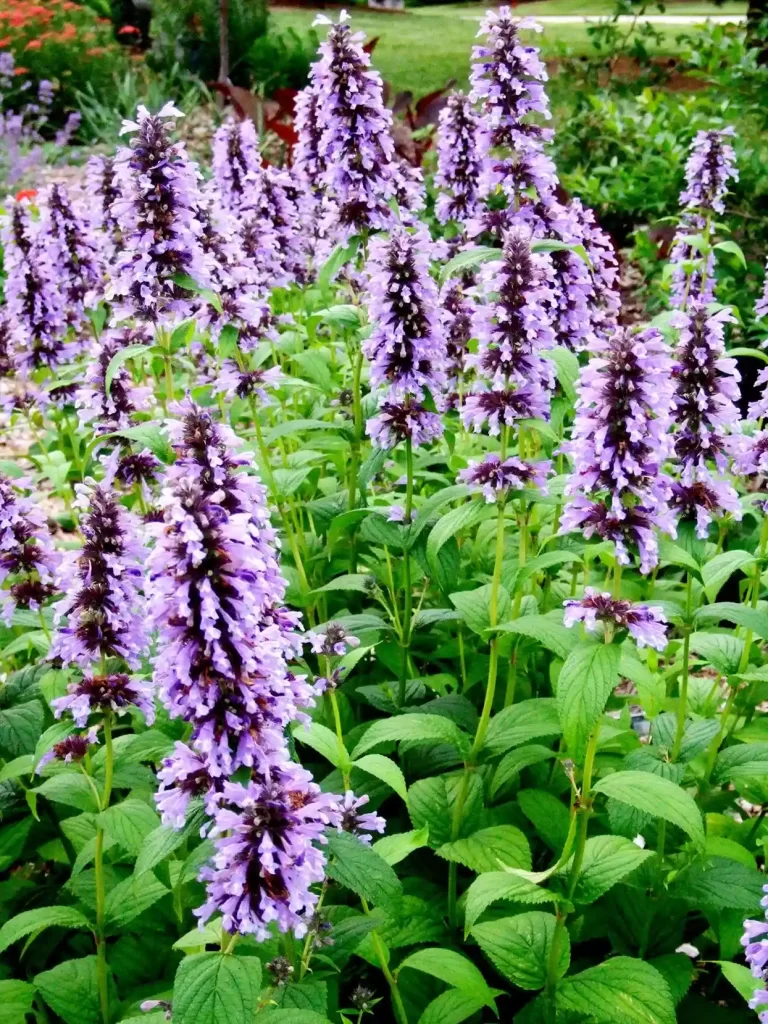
(719, 884)
(743, 761)
(489, 849)
(549, 632)
(520, 723)
(361, 869)
(515, 761)
(163, 841)
(552, 245)
(586, 681)
(311, 994)
(474, 606)
(454, 969)
(148, 435)
(673, 554)
(431, 803)
(397, 847)
(545, 561)
(130, 822)
(342, 315)
(216, 988)
(132, 897)
(23, 765)
(412, 727)
(567, 367)
(721, 650)
(385, 769)
(656, 796)
(29, 921)
(733, 248)
(621, 990)
(16, 999)
(13, 839)
(468, 259)
(462, 518)
(71, 989)
(500, 885)
(520, 946)
(452, 1007)
(754, 353)
(324, 741)
(339, 258)
(357, 581)
(607, 859)
(740, 977)
(677, 971)
(295, 1016)
(729, 611)
(20, 728)
(119, 358)
(70, 788)
(718, 570)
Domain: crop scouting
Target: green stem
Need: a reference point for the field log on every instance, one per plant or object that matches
(583, 812)
(306, 954)
(101, 896)
(397, 1000)
(357, 413)
(682, 703)
(339, 735)
(405, 637)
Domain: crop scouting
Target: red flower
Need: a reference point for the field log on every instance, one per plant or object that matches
(21, 71)
(129, 30)
(26, 193)
(33, 44)
(6, 41)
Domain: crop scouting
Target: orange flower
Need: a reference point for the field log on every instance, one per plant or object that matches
(6, 41)
(129, 30)
(96, 51)
(26, 193)
(21, 71)
(33, 44)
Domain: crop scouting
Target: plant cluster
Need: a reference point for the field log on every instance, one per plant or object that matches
(383, 620)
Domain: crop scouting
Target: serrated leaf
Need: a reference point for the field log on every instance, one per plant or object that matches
(119, 359)
(20, 728)
(489, 849)
(29, 921)
(520, 723)
(567, 368)
(718, 570)
(359, 582)
(607, 860)
(520, 946)
(397, 847)
(361, 869)
(130, 822)
(722, 651)
(214, 988)
(499, 885)
(515, 761)
(163, 841)
(740, 977)
(657, 796)
(384, 769)
(148, 435)
(468, 259)
(70, 788)
(16, 999)
(719, 884)
(71, 989)
(431, 803)
(462, 518)
(452, 1007)
(454, 969)
(474, 606)
(742, 761)
(324, 741)
(132, 897)
(621, 990)
(677, 971)
(23, 765)
(340, 256)
(728, 611)
(551, 634)
(418, 727)
(586, 681)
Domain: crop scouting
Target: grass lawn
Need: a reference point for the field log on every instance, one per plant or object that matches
(425, 47)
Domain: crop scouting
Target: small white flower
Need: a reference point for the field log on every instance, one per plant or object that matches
(639, 841)
(169, 110)
(688, 950)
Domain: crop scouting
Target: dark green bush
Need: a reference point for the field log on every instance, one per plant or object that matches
(282, 61)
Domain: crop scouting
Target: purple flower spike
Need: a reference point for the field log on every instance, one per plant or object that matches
(183, 777)
(113, 410)
(266, 858)
(354, 822)
(103, 603)
(458, 160)
(72, 250)
(407, 420)
(619, 443)
(34, 301)
(755, 943)
(101, 184)
(156, 214)
(71, 748)
(113, 694)
(407, 346)
(646, 624)
(456, 315)
(334, 640)
(236, 161)
(359, 171)
(761, 306)
(711, 165)
(494, 478)
(27, 559)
